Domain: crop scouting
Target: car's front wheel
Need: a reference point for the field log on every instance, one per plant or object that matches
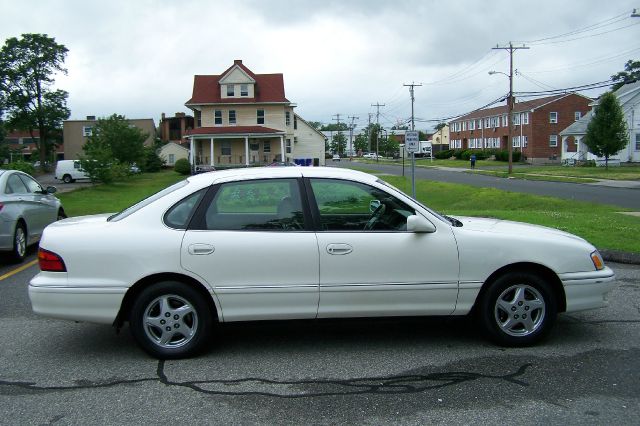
(171, 320)
(518, 309)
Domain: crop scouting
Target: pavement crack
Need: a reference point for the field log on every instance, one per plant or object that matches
(307, 388)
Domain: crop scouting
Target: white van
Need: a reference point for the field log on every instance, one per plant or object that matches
(69, 170)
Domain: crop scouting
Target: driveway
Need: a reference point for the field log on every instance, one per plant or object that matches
(50, 180)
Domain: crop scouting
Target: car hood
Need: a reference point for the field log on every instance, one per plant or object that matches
(507, 227)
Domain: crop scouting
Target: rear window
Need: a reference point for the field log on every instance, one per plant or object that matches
(134, 208)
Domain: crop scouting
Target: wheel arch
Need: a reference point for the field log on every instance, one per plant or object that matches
(533, 268)
(133, 292)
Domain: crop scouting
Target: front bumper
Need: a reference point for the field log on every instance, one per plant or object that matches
(588, 290)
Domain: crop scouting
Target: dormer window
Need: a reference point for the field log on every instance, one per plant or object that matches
(244, 90)
(231, 90)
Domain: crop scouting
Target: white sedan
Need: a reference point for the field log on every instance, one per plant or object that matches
(291, 242)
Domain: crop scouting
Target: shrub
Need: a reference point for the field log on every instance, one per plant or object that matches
(503, 155)
(23, 166)
(182, 166)
(444, 155)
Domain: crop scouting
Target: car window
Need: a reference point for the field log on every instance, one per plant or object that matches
(258, 205)
(32, 185)
(352, 206)
(15, 185)
(179, 215)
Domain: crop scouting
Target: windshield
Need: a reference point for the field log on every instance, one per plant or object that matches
(140, 204)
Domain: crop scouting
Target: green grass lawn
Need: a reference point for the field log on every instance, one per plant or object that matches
(601, 225)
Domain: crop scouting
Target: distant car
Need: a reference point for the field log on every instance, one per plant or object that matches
(25, 210)
(69, 171)
(134, 169)
(276, 243)
(283, 164)
(336, 157)
(203, 168)
(370, 155)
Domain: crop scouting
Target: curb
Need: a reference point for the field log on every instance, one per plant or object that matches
(620, 257)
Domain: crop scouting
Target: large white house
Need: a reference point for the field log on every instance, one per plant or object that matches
(244, 119)
(573, 146)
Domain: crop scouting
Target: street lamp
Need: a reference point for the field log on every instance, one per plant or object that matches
(509, 115)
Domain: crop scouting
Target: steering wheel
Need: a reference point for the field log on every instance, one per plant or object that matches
(377, 213)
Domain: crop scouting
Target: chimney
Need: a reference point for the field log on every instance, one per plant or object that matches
(238, 62)
(180, 114)
(163, 116)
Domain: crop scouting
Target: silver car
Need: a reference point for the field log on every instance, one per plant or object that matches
(25, 210)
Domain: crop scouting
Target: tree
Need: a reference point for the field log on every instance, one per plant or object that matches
(334, 127)
(315, 124)
(152, 161)
(607, 130)
(113, 146)
(27, 69)
(630, 74)
(339, 143)
(361, 143)
(440, 126)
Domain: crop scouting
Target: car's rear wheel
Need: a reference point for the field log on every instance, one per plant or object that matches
(19, 243)
(171, 320)
(61, 214)
(67, 179)
(518, 309)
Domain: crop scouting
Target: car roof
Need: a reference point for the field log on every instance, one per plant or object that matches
(282, 172)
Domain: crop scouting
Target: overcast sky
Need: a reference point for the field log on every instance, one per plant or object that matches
(138, 57)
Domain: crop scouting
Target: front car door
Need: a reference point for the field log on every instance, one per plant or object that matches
(369, 264)
(253, 243)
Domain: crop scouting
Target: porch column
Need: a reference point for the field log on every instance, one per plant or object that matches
(565, 148)
(282, 155)
(192, 156)
(246, 151)
(211, 148)
(582, 155)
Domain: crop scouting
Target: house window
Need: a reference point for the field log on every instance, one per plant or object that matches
(287, 118)
(254, 146)
(295, 122)
(464, 126)
(172, 158)
(87, 131)
(525, 118)
(487, 123)
(479, 124)
(217, 117)
(553, 117)
(244, 90)
(472, 125)
(577, 115)
(288, 146)
(232, 116)
(260, 116)
(198, 115)
(525, 140)
(516, 119)
(505, 121)
(637, 141)
(553, 140)
(231, 90)
(225, 148)
(516, 141)
(266, 146)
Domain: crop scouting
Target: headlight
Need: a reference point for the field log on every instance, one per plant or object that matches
(596, 258)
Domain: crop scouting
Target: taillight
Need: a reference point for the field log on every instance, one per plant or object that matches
(50, 262)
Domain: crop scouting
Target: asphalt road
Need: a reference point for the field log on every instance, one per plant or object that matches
(391, 371)
(623, 197)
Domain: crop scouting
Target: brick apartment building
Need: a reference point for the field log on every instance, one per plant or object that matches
(536, 131)
(173, 129)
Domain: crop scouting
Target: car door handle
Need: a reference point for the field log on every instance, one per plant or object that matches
(339, 249)
(201, 249)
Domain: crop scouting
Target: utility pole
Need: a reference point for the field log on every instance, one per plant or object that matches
(369, 133)
(377, 105)
(511, 48)
(339, 134)
(413, 127)
(351, 127)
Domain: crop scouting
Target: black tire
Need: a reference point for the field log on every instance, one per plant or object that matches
(67, 179)
(160, 331)
(518, 309)
(19, 250)
(61, 214)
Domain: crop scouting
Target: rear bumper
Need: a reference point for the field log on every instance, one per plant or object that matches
(588, 290)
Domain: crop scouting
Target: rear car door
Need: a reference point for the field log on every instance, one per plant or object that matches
(252, 242)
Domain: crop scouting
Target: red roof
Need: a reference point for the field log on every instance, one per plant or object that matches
(518, 107)
(268, 88)
(234, 130)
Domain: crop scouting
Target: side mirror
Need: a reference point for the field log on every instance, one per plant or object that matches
(373, 205)
(419, 224)
(51, 190)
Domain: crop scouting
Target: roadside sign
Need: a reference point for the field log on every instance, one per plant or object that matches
(412, 140)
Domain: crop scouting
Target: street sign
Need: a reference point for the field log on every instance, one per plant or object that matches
(412, 140)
